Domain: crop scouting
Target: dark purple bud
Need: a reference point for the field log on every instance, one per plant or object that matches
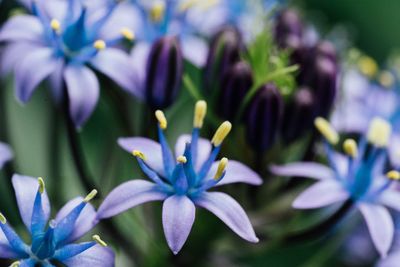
(288, 29)
(224, 51)
(164, 73)
(236, 83)
(326, 49)
(263, 117)
(299, 115)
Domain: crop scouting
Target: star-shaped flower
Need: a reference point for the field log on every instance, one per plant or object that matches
(358, 176)
(182, 182)
(52, 242)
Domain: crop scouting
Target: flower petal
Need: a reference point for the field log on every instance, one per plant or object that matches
(391, 198)
(191, 44)
(230, 212)
(178, 218)
(25, 191)
(150, 148)
(86, 220)
(304, 169)
(117, 66)
(380, 226)
(6, 154)
(390, 261)
(203, 149)
(236, 172)
(95, 256)
(321, 194)
(27, 263)
(6, 252)
(12, 54)
(83, 92)
(27, 77)
(139, 56)
(22, 28)
(129, 195)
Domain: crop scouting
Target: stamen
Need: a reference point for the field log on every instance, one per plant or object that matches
(157, 11)
(15, 264)
(100, 45)
(90, 196)
(98, 240)
(182, 159)
(55, 25)
(209, 3)
(3, 219)
(128, 34)
(325, 128)
(221, 168)
(138, 154)
(199, 113)
(161, 119)
(221, 133)
(379, 132)
(350, 147)
(393, 175)
(368, 66)
(41, 185)
(386, 79)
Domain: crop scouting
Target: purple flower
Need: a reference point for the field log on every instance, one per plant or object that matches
(182, 183)
(6, 154)
(358, 176)
(59, 42)
(52, 242)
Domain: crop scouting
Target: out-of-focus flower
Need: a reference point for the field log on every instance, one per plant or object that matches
(289, 29)
(182, 181)
(264, 117)
(358, 176)
(52, 243)
(164, 73)
(59, 41)
(6, 154)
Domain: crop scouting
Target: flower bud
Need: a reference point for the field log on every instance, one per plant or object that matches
(298, 115)
(164, 73)
(263, 117)
(236, 83)
(288, 29)
(224, 52)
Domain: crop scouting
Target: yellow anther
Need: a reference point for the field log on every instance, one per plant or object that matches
(181, 159)
(100, 45)
(138, 154)
(199, 113)
(55, 25)
(99, 241)
(128, 34)
(386, 79)
(157, 11)
(161, 119)
(379, 132)
(221, 133)
(350, 147)
(325, 128)
(206, 4)
(15, 264)
(90, 196)
(367, 66)
(393, 175)
(186, 5)
(41, 185)
(221, 168)
(3, 219)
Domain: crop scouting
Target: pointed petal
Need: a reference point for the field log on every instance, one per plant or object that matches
(129, 195)
(150, 148)
(380, 226)
(27, 78)
(116, 65)
(203, 150)
(25, 191)
(12, 54)
(27, 263)
(71, 250)
(195, 50)
(86, 220)
(56, 81)
(236, 172)
(6, 252)
(230, 212)
(390, 198)
(96, 256)
(6, 154)
(139, 56)
(321, 194)
(390, 261)
(83, 92)
(304, 169)
(178, 218)
(22, 28)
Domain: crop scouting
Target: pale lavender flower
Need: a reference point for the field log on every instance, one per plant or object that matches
(6, 154)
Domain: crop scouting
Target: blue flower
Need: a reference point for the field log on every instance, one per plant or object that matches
(59, 41)
(182, 182)
(52, 242)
